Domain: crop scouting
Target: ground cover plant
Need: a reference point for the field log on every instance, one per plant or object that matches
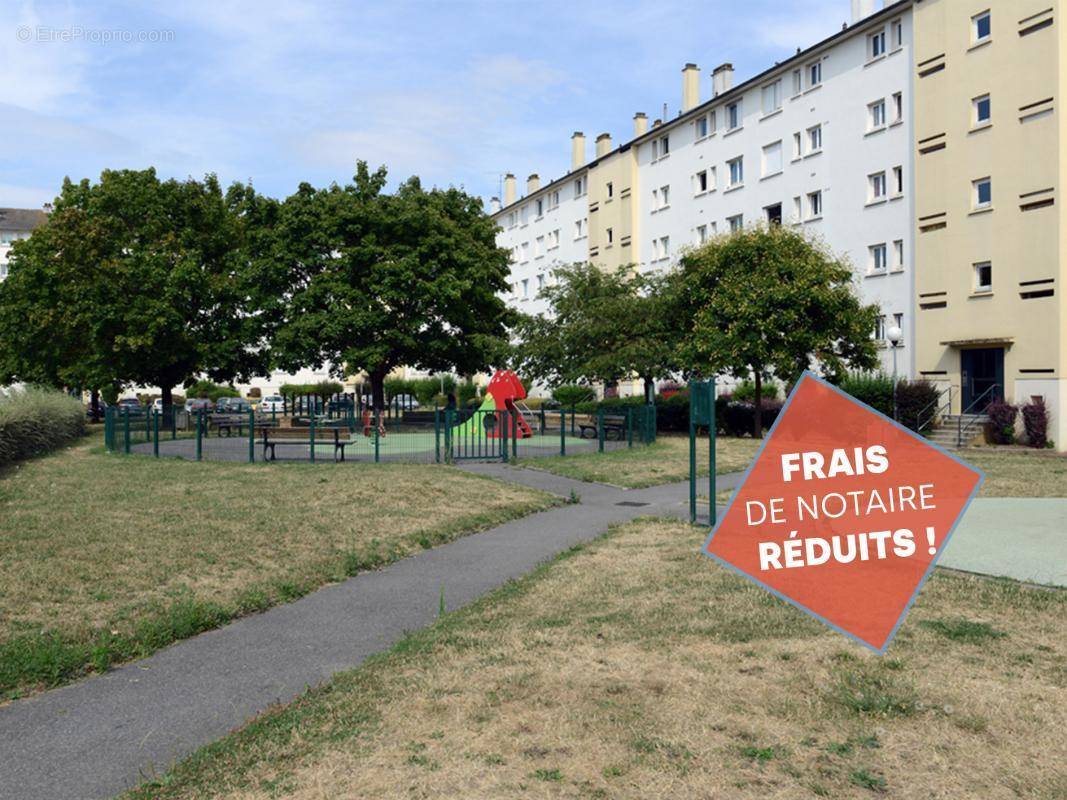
(636, 667)
(665, 461)
(104, 558)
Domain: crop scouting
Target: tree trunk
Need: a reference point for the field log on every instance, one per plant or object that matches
(377, 383)
(94, 404)
(650, 391)
(166, 394)
(758, 426)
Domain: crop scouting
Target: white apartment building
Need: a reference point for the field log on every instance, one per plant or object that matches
(821, 140)
(15, 224)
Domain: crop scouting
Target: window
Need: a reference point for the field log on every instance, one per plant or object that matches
(797, 146)
(897, 187)
(981, 27)
(700, 182)
(772, 97)
(525, 252)
(524, 215)
(983, 193)
(733, 116)
(737, 171)
(539, 246)
(579, 187)
(798, 82)
(983, 276)
(898, 254)
(736, 223)
(898, 107)
(876, 115)
(661, 248)
(553, 201)
(876, 187)
(879, 327)
(540, 208)
(898, 320)
(702, 234)
(540, 282)
(982, 110)
(896, 28)
(876, 45)
(609, 190)
(661, 198)
(661, 147)
(774, 214)
(876, 258)
(814, 205)
(772, 159)
(525, 288)
(711, 123)
(610, 234)
(815, 139)
(553, 239)
(701, 126)
(581, 228)
(713, 180)
(814, 74)
(798, 214)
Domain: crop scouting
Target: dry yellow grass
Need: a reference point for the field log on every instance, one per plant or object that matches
(665, 461)
(638, 668)
(1019, 473)
(91, 542)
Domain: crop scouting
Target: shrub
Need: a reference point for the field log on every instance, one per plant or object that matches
(322, 389)
(34, 421)
(1002, 421)
(1035, 420)
(874, 389)
(745, 392)
(915, 399)
(211, 390)
(572, 394)
(466, 391)
(739, 419)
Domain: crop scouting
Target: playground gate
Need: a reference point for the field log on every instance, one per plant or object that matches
(701, 415)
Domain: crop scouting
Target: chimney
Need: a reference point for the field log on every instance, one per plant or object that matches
(690, 87)
(509, 189)
(722, 78)
(603, 145)
(533, 183)
(861, 9)
(494, 205)
(640, 124)
(577, 149)
(657, 123)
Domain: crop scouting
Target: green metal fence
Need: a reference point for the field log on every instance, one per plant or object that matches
(429, 436)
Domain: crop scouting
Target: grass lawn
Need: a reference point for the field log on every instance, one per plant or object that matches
(105, 558)
(636, 667)
(1019, 473)
(666, 461)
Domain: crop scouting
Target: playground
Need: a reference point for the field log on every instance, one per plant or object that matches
(503, 428)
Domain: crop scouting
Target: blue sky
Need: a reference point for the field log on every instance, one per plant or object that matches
(276, 93)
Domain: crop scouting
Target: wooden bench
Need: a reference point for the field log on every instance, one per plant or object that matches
(233, 422)
(614, 428)
(339, 444)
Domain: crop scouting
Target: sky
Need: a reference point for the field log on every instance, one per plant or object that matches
(457, 92)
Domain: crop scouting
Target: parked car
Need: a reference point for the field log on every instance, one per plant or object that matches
(272, 403)
(130, 405)
(89, 409)
(232, 405)
(404, 402)
(194, 404)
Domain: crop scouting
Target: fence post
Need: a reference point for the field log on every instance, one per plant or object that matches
(109, 444)
(126, 430)
(542, 420)
(562, 432)
(437, 434)
(251, 436)
(572, 420)
(312, 437)
(712, 435)
(148, 424)
(600, 429)
(504, 434)
(199, 434)
(693, 467)
(515, 434)
(377, 436)
(155, 433)
(449, 418)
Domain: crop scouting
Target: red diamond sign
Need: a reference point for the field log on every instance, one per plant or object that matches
(843, 513)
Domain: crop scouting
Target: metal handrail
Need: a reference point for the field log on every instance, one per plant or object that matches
(936, 408)
(960, 427)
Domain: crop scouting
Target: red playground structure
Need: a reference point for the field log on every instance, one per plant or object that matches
(504, 393)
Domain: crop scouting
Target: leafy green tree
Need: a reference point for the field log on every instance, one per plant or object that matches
(136, 280)
(768, 301)
(380, 280)
(603, 326)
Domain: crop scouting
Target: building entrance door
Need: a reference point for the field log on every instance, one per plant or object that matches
(981, 370)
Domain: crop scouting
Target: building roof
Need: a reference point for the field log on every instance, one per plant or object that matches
(891, 8)
(21, 219)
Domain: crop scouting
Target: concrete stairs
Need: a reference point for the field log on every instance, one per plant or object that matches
(946, 434)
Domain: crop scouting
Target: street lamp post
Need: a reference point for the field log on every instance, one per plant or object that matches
(894, 334)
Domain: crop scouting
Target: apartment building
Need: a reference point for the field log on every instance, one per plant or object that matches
(821, 141)
(991, 239)
(15, 224)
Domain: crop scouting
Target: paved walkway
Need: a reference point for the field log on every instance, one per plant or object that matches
(102, 735)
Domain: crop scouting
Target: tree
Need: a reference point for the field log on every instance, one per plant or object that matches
(136, 280)
(767, 301)
(602, 327)
(376, 281)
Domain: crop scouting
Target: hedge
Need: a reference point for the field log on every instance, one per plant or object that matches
(35, 421)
